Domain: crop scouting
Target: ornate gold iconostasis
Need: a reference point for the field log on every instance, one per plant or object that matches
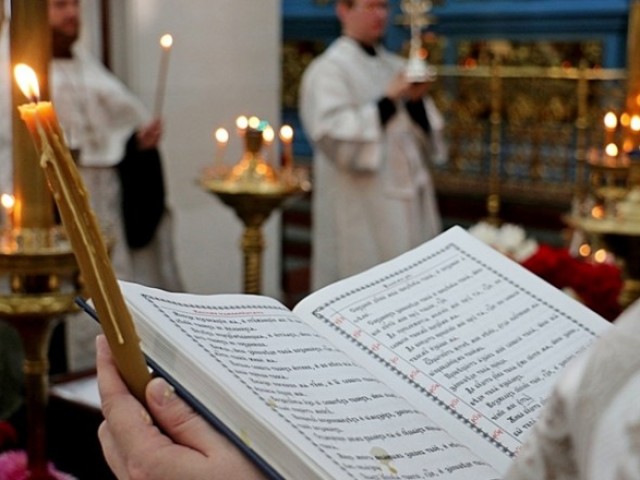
(523, 118)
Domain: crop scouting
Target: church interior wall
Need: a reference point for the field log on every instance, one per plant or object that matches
(224, 63)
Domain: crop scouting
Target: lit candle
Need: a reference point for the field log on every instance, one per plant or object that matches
(286, 137)
(253, 122)
(166, 41)
(268, 135)
(610, 125)
(30, 42)
(625, 125)
(222, 138)
(635, 132)
(7, 202)
(84, 235)
(611, 154)
(242, 123)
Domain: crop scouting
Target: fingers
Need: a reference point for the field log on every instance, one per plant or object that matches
(184, 447)
(401, 89)
(180, 422)
(150, 135)
(122, 412)
(397, 88)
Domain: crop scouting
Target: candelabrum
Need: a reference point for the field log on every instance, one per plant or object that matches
(607, 214)
(39, 281)
(254, 188)
(418, 70)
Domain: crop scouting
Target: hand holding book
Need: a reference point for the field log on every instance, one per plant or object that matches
(127, 434)
(434, 364)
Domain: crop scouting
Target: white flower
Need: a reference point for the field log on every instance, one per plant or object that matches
(525, 250)
(485, 232)
(508, 239)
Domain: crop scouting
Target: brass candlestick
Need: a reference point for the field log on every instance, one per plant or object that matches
(608, 215)
(38, 271)
(254, 189)
(40, 281)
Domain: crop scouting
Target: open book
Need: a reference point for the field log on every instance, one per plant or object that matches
(432, 365)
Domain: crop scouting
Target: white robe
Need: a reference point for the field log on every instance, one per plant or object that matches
(373, 196)
(98, 114)
(589, 428)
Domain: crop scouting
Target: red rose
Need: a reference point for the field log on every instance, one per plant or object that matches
(598, 285)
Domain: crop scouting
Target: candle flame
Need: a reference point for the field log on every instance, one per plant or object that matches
(242, 122)
(600, 256)
(611, 150)
(625, 119)
(268, 134)
(254, 122)
(7, 201)
(610, 120)
(27, 81)
(585, 250)
(635, 123)
(166, 41)
(222, 136)
(286, 133)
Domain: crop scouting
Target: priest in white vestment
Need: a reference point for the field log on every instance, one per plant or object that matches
(374, 136)
(116, 142)
(112, 134)
(105, 124)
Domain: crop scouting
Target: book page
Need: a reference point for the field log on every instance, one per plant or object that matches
(467, 335)
(299, 402)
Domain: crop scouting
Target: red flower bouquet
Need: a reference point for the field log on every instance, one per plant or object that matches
(597, 285)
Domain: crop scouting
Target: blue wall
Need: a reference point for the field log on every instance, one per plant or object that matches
(604, 20)
(461, 20)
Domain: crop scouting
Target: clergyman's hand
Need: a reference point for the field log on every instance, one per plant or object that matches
(418, 90)
(398, 87)
(149, 136)
(183, 446)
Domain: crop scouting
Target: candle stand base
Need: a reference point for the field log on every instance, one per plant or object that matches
(253, 204)
(40, 282)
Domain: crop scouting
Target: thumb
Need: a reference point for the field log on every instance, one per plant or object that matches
(176, 418)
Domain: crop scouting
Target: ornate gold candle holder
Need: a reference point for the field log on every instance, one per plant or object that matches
(253, 188)
(39, 280)
(609, 218)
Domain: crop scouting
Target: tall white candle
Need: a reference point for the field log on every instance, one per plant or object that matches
(286, 136)
(166, 41)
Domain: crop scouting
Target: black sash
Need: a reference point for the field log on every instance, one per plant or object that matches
(143, 193)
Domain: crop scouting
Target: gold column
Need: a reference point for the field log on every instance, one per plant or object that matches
(30, 44)
(493, 199)
(36, 260)
(582, 94)
(633, 58)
